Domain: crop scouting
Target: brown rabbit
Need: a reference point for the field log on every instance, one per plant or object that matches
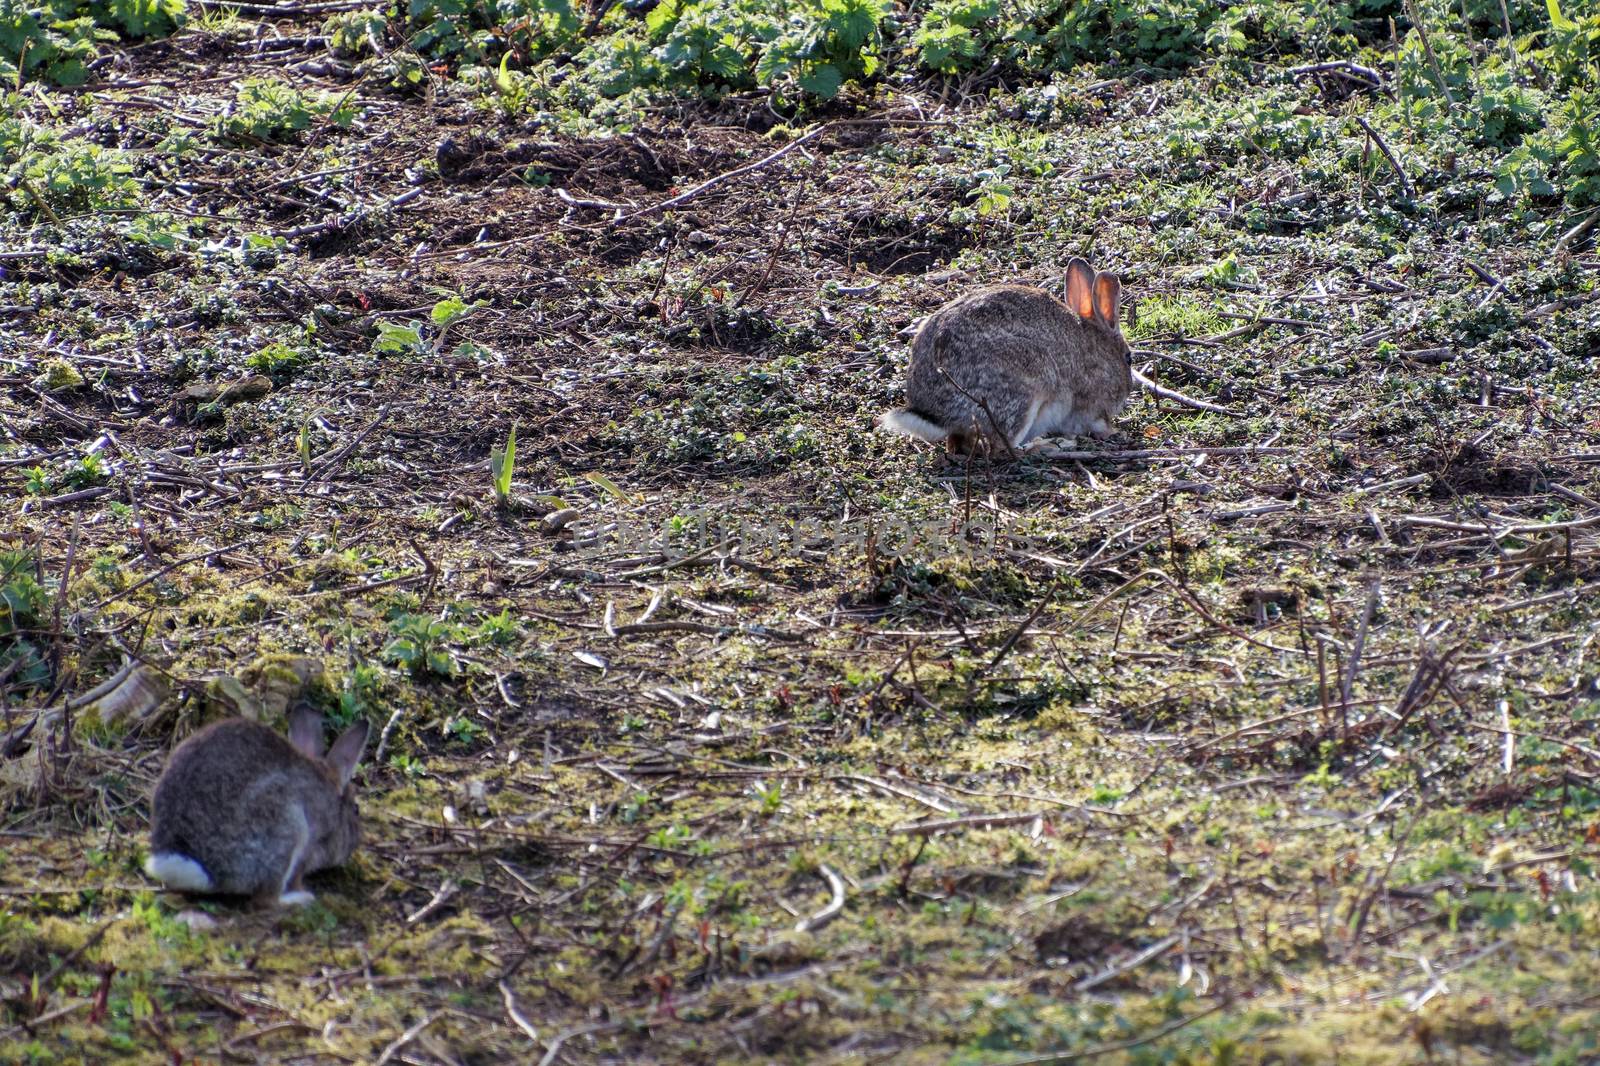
(242, 811)
(1011, 363)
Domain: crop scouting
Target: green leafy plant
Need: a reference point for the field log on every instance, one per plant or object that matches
(464, 730)
(302, 445)
(501, 463)
(394, 338)
(56, 39)
(1576, 147)
(23, 601)
(86, 472)
(1573, 54)
(769, 798)
(277, 360)
(1223, 272)
(824, 44)
(357, 695)
(993, 194)
(270, 109)
(409, 765)
(1561, 159)
(356, 32)
(66, 475)
(469, 30)
(948, 39)
(34, 41)
(704, 41)
(46, 175)
(499, 629)
(1506, 110)
(421, 645)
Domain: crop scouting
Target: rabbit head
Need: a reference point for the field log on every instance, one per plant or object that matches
(1101, 366)
(337, 829)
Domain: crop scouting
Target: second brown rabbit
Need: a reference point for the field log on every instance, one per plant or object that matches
(1008, 364)
(242, 811)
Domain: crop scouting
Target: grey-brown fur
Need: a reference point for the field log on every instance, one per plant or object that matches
(1014, 362)
(254, 809)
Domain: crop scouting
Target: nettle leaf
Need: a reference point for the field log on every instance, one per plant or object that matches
(853, 21)
(936, 50)
(723, 61)
(972, 13)
(148, 18)
(403, 651)
(473, 350)
(823, 80)
(560, 17)
(773, 64)
(663, 17)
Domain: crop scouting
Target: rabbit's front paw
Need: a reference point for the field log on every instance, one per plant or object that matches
(1051, 447)
(297, 898)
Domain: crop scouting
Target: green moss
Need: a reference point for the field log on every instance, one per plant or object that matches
(59, 376)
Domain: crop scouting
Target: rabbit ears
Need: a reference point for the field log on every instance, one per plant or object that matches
(1093, 296)
(305, 733)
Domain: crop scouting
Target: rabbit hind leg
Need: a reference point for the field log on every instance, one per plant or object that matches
(961, 446)
(976, 438)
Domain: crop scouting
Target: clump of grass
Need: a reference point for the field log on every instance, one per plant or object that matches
(1180, 316)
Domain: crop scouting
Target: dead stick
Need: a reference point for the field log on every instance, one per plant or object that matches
(1177, 397)
(835, 902)
(1415, 14)
(1016, 634)
(1360, 642)
(974, 821)
(577, 201)
(1383, 147)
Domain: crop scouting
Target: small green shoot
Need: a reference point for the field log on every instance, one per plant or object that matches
(611, 488)
(302, 446)
(501, 463)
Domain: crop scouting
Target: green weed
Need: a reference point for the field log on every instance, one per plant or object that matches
(56, 40)
(270, 109)
(421, 645)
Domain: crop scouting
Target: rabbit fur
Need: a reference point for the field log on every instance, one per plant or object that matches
(241, 810)
(1012, 363)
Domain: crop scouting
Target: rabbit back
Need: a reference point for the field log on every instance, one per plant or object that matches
(990, 354)
(1013, 361)
(240, 811)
